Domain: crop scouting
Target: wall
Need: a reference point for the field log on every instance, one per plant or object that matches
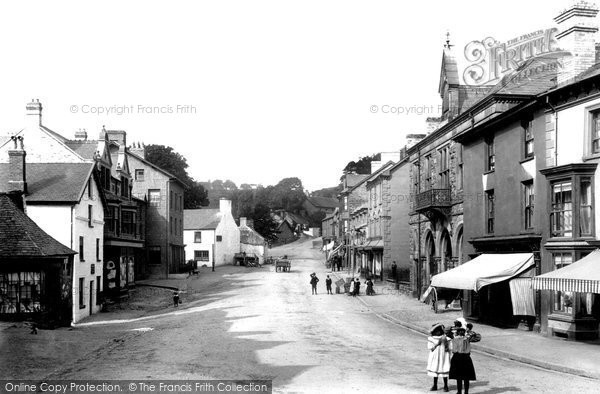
(58, 221)
(158, 227)
(230, 244)
(208, 240)
(396, 239)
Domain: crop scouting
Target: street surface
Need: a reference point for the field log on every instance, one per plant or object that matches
(261, 324)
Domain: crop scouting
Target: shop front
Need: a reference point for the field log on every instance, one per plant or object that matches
(574, 291)
(496, 287)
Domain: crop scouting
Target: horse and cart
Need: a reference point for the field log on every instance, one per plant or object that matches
(282, 264)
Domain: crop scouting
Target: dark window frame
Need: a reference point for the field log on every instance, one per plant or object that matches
(490, 211)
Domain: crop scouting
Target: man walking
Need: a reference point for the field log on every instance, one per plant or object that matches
(313, 282)
(328, 285)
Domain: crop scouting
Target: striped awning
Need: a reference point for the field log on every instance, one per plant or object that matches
(582, 276)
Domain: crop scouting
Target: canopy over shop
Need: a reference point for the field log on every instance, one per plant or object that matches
(492, 279)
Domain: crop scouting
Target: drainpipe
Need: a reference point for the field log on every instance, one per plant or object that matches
(419, 268)
(555, 130)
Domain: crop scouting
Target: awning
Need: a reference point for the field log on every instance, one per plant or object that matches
(377, 244)
(336, 250)
(582, 276)
(484, 270)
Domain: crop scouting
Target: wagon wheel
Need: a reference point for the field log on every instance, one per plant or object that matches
(434, 300)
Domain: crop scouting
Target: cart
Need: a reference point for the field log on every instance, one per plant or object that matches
(440, 296)
(283, 265)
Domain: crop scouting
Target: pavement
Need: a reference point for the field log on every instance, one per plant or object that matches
(556, 354)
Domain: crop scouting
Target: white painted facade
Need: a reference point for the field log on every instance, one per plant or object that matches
(66, 223)
(573, 140)
(229, 234)
(191, 246)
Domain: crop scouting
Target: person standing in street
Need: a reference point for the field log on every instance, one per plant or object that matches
(369, 284)
(394, 271)
(328, 282)
(313, 282)
(356, 288)
(175, 298)
(438, 362)
(461, 365)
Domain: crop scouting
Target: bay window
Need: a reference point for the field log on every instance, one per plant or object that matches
(571, 200)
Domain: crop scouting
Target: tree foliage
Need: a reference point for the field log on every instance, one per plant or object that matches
(363, 165)
(166, 158)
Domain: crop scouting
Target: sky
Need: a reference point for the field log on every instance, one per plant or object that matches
(252, 91)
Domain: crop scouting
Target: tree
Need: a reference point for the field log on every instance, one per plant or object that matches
(165, 157)
(363, 165)
(264, 223)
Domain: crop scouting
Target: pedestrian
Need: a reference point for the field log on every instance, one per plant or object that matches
(369, 284)
(34, 329)
(394, 271)
(175, 298)
(313, 282)
(438, 362)
(356, 288)
(328, 282)
(339, 261)
(461, 365)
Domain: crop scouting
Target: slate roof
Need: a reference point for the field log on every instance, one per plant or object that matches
(250, 237)
(21, 237)
(323, 202)
(52, 182)
(201, 219)
(85, 149)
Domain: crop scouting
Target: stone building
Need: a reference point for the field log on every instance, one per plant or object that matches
(164, 220)
(436, 181)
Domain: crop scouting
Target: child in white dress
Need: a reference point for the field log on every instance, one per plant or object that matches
(438, 362)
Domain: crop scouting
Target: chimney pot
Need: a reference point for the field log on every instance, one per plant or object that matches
(33, 114)
(16, 164)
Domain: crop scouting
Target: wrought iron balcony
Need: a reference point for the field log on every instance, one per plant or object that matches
(433, 199)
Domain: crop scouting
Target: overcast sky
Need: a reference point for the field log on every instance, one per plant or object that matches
(274, 88)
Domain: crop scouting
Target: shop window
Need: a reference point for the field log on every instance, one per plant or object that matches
(563, 300)
(528, 199)
(561, 216)
(490, 211)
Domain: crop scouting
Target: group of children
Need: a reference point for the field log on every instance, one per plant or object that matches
(456, 341)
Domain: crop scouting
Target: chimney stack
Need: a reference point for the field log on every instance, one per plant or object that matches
(577, 25)
(138, 149)
(16, 167)
(33, 114)
(225, 206)
(81, 135)
(243, 222)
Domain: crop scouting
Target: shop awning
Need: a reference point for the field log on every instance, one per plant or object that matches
(484, 270)
(582, 276)
(336, 250)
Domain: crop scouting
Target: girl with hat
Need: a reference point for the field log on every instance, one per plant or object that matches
(461, 366)
(438, 362)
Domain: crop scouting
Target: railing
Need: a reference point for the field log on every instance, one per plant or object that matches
(433, 198)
